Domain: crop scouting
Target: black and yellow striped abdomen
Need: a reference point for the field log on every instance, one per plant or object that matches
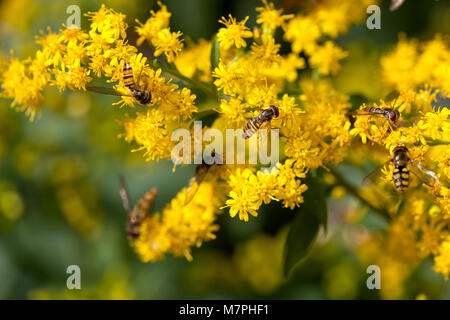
(251, 127)
(141, 95)
(401, 177)
(128, 79)
(376, 110)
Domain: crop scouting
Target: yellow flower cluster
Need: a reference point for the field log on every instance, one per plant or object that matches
(326, 20)
(423, 222)
(157, 32)
(194, 61)
(256, 79)
(72, 57)
(249, 189)
(180, 227)
(422, 130)
(234, 33)
(246, 74)
(252, 80)
(321, 133)
(412, 64)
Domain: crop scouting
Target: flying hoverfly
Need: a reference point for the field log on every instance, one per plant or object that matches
(141, 210)
(138, 93)
(265, 116)
(199, 175)
(390, 114)
(402, 166)
(395, 4)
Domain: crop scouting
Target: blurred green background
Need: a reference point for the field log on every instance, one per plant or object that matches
(59, 200)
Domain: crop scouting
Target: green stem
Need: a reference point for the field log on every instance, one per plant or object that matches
(201, 115)
(201, 86)
(350, 188)
(432, 142)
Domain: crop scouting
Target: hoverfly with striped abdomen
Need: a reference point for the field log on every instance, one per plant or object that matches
(141, 210)
(138, 93)
(390, 113)
(402, 166)
(265, 116)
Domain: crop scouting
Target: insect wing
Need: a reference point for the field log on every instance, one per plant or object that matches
(391, 96)
(265, 134)
(225, 97)
(395, 4)
(191, 190)
(124, 194)
(364, 113)
(403, 124)
(374, 176)
(104, 90)
(200, 172)
(426, 176)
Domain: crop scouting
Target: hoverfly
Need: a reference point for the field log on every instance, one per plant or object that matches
(265, 116)
(402, 165)
(141, 210)
(395, 4)
(140, 94)
(390, 114)
(199, 175)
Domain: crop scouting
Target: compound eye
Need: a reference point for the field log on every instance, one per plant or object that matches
(132, 233)
(393, 116)
(276, 113)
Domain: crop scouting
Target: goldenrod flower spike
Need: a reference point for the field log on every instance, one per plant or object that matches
(243, 73)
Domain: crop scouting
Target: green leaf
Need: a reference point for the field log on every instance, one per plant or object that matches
(215, 53)
(304, 229)
(319, 194)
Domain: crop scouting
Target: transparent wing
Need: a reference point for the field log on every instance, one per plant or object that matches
(364, 113)
(403, 124)
(191, 190)
(104, 90)
(265, 139)
(124, 194)
(391, 96)
(200, 172)
(374, 176)
(266, 125)
(395, 4)
(426, 176)
(224, 97)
